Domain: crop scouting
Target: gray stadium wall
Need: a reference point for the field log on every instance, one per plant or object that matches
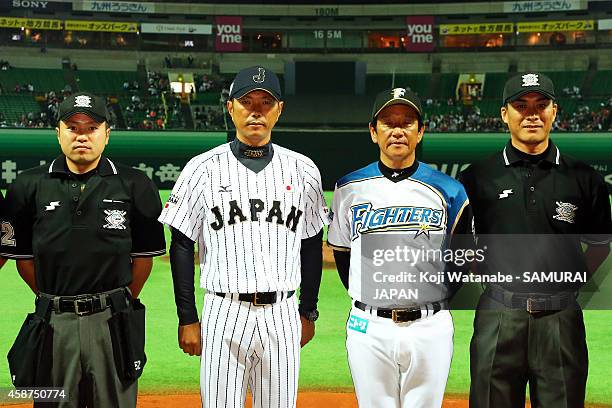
(163, 154)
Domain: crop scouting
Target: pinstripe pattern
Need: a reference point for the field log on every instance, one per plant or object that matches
(245, 256)
(245, 344)
(248, 227)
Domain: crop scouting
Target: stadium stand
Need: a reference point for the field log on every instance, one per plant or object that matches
(19, 110)
(105, 82)
(142, 109)
(602, 83)
(42, 80)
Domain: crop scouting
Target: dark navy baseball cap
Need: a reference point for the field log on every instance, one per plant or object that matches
(523, 84)
(253, 79)
(86, 103)
(396, 96)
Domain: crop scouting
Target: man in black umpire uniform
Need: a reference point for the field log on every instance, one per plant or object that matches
(526, 332)
(85, 232)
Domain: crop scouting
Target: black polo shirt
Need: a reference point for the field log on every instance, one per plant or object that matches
(511, 194)
(83, 231)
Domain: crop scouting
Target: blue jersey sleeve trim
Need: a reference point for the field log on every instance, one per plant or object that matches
(369, 171)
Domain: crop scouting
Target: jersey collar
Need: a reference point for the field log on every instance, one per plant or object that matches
(510, 156)
(396, 175)
(105, 167)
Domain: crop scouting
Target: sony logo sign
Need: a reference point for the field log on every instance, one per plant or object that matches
(30, 4)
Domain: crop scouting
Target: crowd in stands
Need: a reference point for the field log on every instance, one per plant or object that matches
(144, 108)
(459, 118)
(572, 92)
(45, 118)
(208, 117)
(471, 121)
(21, 88)
(147, 112)
(33, 120)
(148, 115)
(583, 119)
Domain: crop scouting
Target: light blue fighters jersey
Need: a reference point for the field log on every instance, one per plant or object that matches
(420, 211)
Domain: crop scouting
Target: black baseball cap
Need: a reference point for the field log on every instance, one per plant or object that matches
(395, 96)
(83, 102)
(525, 83)
(253, 79)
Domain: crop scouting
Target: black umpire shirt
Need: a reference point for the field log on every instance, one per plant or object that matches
(83, 230)
(532, 200)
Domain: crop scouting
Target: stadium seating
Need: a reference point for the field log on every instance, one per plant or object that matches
(104, 82)
(602, 83)
(13, 106)
(566, 79)
(448, 85)
(44, 80)
(419, 83)
(494, 84)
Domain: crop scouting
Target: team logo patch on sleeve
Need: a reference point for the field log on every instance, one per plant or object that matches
(115, 219)
(566, 212)
(172, 200)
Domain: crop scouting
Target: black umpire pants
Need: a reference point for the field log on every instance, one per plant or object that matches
(511, 348)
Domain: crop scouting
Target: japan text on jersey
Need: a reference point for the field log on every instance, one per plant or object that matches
(248, 225)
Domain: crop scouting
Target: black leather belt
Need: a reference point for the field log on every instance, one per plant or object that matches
(83, 305)
(259, 298)
(400, 315)
(532, 302)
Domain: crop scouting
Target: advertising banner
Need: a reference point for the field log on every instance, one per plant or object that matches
(552, 26)
(114, 6)
(484, 28)
(35, 23)
(39, 5)
(420, 33)
(108, 26)
(605, 24)
(229, 33)
(162, 155)
(193, 29)
(543, 6)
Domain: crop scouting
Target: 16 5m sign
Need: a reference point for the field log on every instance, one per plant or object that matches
(329, 34)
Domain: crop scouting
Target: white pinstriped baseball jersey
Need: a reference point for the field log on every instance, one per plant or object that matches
(248, 225)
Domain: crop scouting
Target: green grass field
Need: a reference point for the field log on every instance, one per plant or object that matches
(324, 365)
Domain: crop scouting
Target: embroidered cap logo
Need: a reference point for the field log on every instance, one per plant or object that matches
(531, 80)
(398, 92)
(82, 101)
(261, 76)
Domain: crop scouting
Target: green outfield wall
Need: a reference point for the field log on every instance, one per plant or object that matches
(163, 154)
